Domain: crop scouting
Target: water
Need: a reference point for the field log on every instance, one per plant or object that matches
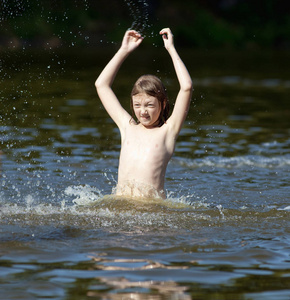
(139, 12)
(223, 231)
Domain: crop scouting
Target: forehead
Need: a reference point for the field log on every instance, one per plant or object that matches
(144, 97)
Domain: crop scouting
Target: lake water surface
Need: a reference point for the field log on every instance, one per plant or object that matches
(223, 231)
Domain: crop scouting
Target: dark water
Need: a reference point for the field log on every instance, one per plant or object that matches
(223, 232)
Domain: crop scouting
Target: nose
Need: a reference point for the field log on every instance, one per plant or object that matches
(143, 110)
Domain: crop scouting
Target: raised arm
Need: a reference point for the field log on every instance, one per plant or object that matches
(131, 41)
(182, 102)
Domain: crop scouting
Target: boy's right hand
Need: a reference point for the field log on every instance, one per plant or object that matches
(132, 39)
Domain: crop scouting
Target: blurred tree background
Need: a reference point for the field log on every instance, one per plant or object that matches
(196, 23)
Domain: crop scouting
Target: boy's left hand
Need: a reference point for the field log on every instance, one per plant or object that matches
(167, 37)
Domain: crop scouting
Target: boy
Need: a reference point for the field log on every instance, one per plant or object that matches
(148, 144)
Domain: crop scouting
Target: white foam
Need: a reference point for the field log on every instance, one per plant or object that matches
(85, 195)
(237, 161)
(285, 208)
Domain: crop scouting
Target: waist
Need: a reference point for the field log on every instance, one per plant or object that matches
(137, 189)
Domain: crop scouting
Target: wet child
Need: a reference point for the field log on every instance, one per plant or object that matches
(148, 143)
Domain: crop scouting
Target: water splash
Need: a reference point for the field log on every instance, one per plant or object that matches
(85, 195)
(12, 9)
(220, 208)
(139, 11)
(85, 207)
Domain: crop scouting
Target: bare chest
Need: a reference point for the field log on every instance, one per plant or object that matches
(145, 145)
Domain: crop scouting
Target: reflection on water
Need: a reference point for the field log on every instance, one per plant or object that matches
(222, 232)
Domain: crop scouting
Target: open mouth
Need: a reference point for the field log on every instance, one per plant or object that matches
(145, 117)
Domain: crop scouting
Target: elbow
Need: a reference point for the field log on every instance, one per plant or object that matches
(98, 84)
(187, 86)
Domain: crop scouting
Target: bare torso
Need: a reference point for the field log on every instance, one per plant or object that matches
(144, 156)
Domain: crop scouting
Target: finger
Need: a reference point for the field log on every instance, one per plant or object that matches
(134, 33)
(165, 36)
(166, 33)
(139, 41)
(165, 30)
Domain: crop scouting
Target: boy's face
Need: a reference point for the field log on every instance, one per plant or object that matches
(147, 110)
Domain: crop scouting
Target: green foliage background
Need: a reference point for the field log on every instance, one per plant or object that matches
(196, 23)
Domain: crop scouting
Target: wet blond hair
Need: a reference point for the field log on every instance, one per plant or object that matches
(152, 86)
